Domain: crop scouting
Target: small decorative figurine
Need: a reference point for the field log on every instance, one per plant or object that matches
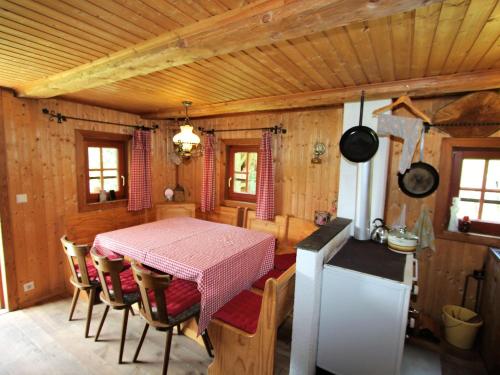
(103, 197)
(464, 224)
(453, 224)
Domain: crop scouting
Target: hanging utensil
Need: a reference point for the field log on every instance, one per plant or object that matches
(359, 143)
(421, 179)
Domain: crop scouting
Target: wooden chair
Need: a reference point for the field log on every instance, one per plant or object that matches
(278, 227)
(170, 210)
(224, 215)
(119, 290)
(83, 276)
(165, 304)
(244, 331)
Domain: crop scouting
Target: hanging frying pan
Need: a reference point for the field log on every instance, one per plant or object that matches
(359, 143)
(421, 179)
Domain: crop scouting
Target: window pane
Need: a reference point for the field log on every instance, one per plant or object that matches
(469, 194)
(491, 196)
(240, 161)
(470, 209)
(240, 186)
(94, 182)
(493, 177)
(240, 176)
(109, 157)
(94, 157)
(252, 173)
(472, 173)
(111, 180)
(491, 212)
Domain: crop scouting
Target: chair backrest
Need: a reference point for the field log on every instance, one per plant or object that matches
(170, 210)
(298, 229)
(76, 255)
(152, 283)
(224, 215)
(277, 228)
(109, 269)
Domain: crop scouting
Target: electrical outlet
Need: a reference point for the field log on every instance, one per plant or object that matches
(29, 286)
(21, 198)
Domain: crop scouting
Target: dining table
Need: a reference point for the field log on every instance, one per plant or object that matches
(221, 259)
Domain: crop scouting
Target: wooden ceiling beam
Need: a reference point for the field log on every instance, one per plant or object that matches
(257, 24)
(453, 83)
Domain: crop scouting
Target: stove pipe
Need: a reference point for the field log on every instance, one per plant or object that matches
(362, 215)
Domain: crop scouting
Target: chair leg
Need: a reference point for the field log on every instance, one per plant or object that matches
(132, 310)
(140, 342)
(89, 311)
(167, 351)
(124, 334)
(179, 330)
(207, 342)
(76, 294)
(102, 323)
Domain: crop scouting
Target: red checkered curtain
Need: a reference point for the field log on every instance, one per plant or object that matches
(208, 183)
(139, 195)
(265, 183)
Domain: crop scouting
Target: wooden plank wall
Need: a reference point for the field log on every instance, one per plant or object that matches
(301, 187)
(40, 162)
(442, 274)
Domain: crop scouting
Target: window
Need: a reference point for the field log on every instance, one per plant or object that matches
(241, 174)
(102, 165)
(476, 180)
(470, 169)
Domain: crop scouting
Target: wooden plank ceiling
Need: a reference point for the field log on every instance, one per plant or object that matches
(40, 38)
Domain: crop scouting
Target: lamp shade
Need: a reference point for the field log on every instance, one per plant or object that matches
(186, 138)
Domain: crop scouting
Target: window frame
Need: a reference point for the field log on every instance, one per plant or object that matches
(230, 194)
(450, 173)
(90, 201)
(458, 155)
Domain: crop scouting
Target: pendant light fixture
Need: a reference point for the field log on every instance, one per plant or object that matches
(186, 141)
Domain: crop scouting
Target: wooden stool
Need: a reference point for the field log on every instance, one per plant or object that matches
(166, 303)
(83, 276)
(119, 290)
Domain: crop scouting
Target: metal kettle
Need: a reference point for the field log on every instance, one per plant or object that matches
(380, 232)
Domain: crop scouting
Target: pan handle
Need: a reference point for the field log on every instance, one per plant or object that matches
(361, 108)
(422, 139)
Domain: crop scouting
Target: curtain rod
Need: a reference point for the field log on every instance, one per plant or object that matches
(445, 124)
(276, 129)
(60, 118)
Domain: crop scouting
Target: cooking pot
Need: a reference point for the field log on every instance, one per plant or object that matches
(402, 241)
(380, 233)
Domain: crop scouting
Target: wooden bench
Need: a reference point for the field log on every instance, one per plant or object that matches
(243, 353)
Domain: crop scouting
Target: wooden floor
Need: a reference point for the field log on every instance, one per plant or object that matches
(40, 340)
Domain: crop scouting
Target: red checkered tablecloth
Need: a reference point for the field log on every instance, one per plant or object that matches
(222, 259)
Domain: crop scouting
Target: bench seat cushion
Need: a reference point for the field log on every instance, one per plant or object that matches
(284, 261)
(242, 311)
(273, 274)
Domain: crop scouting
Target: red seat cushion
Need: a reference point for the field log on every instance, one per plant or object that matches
(180, 296)
(127, 281)
(273, 274)
(242, 311)
(91, 270)
(284, 261)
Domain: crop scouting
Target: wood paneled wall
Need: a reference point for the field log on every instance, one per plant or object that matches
(442, 273)
(301, 187)
(39, 160)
